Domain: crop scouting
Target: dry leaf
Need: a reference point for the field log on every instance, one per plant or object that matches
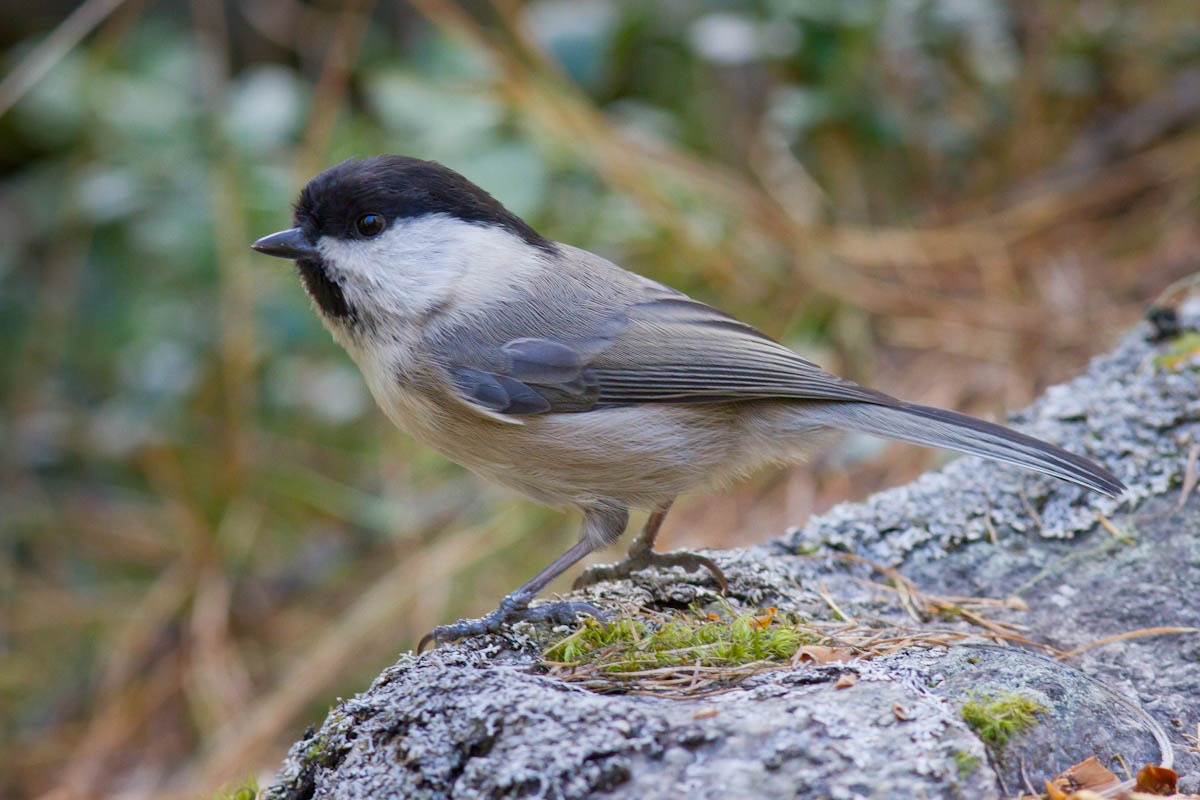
(822, 654)
(1086, 775)
(1156, 780)
(846, 681)
(900, 712)
(705, 713)
(760, 622)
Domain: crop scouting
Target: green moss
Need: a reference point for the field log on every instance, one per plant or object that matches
(315, 753)
(639, 642)
(320, 754)
(1180, 352)
(247, 791)
(996, 719)
(966, 763)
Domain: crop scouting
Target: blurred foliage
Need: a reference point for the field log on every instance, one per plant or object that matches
(207, 530)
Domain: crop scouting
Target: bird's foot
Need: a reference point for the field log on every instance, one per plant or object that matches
(514, 608)
(639, 559)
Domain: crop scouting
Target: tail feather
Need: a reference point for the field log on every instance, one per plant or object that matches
(935, 427)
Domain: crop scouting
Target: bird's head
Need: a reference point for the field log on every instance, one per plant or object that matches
(392, 235)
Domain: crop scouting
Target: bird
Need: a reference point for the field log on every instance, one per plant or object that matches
(555, 372)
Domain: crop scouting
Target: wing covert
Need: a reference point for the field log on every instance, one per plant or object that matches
(604, 344)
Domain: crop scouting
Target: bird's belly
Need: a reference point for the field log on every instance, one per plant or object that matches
(639, 456)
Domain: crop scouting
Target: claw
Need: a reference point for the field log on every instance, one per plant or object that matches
(562, 613)
(510, 610)
(634, 561)
(691, 562)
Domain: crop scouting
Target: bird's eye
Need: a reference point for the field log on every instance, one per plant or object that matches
(370, 225)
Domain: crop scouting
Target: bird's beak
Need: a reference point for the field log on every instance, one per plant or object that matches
(291, 243)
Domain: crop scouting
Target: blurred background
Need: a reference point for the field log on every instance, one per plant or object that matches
(207, 530)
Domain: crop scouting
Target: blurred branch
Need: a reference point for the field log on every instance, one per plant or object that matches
(784, 177)
(78, 24)
(329, 95)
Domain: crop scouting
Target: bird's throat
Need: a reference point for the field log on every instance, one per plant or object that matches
(324, 290)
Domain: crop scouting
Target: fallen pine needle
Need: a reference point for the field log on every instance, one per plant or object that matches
(1114, 530)
(1122, 636)
(829, 600)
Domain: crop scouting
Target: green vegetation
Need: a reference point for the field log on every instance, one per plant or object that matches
(966, 763)
(641, 642)
(248, 790)
(997, 719)
(1183, 349)
(318, 754)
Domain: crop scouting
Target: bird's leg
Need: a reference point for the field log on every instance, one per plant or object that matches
(641, 555)
(599, 525)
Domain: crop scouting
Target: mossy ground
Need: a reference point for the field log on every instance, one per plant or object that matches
(1180, 352)
(997, 719)
(648, 641)
(701, 652)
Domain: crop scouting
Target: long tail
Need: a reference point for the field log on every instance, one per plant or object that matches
(935, 427)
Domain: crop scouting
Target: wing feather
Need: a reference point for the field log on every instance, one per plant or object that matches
(668, 348)
(596, 336)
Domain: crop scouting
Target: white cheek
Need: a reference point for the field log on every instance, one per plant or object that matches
(421, 263)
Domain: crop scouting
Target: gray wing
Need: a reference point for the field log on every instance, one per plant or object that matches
(663, 347)
(600, 337)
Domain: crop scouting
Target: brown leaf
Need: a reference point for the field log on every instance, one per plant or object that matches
(705, 713)
(764, 619)
(822, 654)
(1086, 775)
(846, 681)
(1156, 780)
(901, 712)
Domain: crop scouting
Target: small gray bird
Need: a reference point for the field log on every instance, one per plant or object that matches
(555, 372)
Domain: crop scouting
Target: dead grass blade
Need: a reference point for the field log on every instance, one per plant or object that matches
(1123, 636)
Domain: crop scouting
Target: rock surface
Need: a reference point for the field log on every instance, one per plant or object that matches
(478, 720)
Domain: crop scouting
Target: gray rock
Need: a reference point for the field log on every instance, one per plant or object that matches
(478, 720)
(469, 725)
